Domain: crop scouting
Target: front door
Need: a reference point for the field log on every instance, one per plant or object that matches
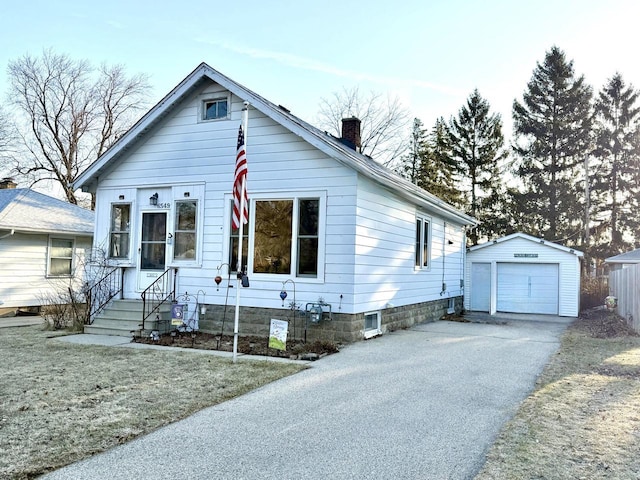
(153, 248)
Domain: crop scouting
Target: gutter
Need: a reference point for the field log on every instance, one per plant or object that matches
(10, 234)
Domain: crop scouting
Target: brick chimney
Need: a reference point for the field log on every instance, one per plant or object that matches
(351, 132)
(7, 183)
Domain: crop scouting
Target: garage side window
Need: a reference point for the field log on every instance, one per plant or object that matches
(423, 239)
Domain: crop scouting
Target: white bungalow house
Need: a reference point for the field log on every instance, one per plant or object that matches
(344, 237)
(43, 245)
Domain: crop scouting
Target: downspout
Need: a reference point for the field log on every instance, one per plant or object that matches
(10, 234)
(444, 241)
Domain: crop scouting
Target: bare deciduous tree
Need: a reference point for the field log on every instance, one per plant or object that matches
(69, 114)
(383, 122)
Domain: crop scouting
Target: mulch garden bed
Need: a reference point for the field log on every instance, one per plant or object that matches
(251, 345)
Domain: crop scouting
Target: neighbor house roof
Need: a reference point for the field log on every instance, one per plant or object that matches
(627, 257)
(319, 139)
(529, 238)
(25, 210)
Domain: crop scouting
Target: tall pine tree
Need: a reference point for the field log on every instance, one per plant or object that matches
(429, 163)
(477, 146)
(552, 130)
(614, 185)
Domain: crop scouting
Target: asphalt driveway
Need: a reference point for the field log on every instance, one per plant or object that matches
(424, 403)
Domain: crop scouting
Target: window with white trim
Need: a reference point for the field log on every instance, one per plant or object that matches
(284, 235)
(215, 108)
(423, 243)
(185, 230)
(372, 324)
(60, 257)
(119, 231)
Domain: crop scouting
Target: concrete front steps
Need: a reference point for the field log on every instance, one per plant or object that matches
(123, 318)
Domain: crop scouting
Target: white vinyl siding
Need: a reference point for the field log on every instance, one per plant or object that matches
(23, 276)
(366, 236)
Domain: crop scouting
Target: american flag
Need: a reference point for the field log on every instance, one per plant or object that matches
(240, 183)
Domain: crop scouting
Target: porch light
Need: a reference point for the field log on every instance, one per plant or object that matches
(153, 199)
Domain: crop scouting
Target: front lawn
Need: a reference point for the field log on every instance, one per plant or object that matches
(61, 402)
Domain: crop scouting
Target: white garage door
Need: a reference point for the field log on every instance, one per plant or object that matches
(480, 286)
(528, 288)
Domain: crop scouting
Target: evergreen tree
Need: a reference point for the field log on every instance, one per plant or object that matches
(412, 163)
(440, 172)
(477, 146)
(552, 129)
(615, 187)
(429, 164)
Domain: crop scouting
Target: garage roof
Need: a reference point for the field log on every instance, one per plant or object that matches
(529, 238)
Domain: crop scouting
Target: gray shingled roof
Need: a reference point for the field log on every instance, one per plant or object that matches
(627, 257)
(88, 179)
(25, 210)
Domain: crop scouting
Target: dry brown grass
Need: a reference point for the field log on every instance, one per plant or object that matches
(60, 403)
(583, 420)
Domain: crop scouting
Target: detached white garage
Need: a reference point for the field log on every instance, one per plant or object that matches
(523, 274)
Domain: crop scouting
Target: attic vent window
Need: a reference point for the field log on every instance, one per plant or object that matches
(214, 109)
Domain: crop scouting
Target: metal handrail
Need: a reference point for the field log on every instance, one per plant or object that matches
(153, 297)
(102, 292)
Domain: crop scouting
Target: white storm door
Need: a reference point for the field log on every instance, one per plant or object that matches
(153, 249)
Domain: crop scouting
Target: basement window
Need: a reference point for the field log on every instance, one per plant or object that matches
(372, 325)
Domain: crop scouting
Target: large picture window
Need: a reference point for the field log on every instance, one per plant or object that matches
(119, 234)
(285, 236)
(423, 249)
(185, 230)
(60, 257)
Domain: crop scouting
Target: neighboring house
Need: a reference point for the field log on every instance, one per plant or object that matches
(623, 260)
(42, 246)
(327, 224)
(523, 274)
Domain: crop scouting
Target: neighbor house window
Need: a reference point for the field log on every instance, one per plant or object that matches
(286, 238)
(215, 109)
(119, 234)
(60, 257)
(185, 230)
(422, 243)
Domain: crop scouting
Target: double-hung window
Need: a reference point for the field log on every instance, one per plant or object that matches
(119, 232)
(423, 243)
(285, 237)
(60, 257)
(185, 230)
(215, 108)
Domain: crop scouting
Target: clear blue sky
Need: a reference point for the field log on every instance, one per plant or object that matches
(431, 54)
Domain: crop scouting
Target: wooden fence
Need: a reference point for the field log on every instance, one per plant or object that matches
(624, 284)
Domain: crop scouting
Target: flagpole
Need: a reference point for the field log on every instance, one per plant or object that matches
(239, 270)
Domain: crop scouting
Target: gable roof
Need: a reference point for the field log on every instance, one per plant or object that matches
(325, 142)
(25, 210)
(529, 238)
(627, 257)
